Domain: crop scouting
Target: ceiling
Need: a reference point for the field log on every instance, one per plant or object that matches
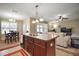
(49, 11)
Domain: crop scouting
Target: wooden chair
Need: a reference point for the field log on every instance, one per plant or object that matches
(11, 37)
(8, 38)
(17, 36)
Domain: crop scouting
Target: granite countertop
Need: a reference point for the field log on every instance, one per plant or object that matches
(45, 37)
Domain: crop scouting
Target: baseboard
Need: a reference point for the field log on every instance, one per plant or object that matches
(62, 46)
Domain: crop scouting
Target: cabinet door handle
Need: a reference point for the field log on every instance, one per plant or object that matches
(51, 44)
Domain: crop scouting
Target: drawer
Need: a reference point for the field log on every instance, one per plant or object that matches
(39, 42)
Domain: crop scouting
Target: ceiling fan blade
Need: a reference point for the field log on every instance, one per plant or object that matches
(60, 17)
(65, 18)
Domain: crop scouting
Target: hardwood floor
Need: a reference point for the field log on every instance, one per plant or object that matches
(4, 45)
(69, 51)
(60, 51)
(12, 49)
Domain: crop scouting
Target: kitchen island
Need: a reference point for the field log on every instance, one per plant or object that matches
(40, 45)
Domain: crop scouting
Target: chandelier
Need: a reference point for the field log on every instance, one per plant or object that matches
(37, 18)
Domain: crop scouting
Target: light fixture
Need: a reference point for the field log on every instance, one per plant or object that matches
(37, 18)
(55, 25)
(12, 20)
(41, 19)
(60, 18)
(57, 21)
(33, 21)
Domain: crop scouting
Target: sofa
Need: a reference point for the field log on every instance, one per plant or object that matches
(63, 40)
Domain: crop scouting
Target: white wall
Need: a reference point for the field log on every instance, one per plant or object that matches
(74, 24)
(26, 24)
(0, 28)
(20, 29)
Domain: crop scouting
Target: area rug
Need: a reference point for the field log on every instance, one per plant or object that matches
(15, 50)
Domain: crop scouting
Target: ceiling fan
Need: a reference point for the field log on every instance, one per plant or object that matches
(61, 18)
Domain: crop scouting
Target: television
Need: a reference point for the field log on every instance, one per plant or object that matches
(63, 29)
(68, 31)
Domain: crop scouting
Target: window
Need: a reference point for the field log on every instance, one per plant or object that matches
(38, 30)
(8, 26)
(42, 28)
(13, 26)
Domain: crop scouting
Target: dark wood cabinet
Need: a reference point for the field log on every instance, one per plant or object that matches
(28, 44)
(30, 48)
(39, 47)
(39, 50)
(51, 48)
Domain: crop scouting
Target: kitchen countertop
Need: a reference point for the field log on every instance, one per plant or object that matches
(44, 37)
